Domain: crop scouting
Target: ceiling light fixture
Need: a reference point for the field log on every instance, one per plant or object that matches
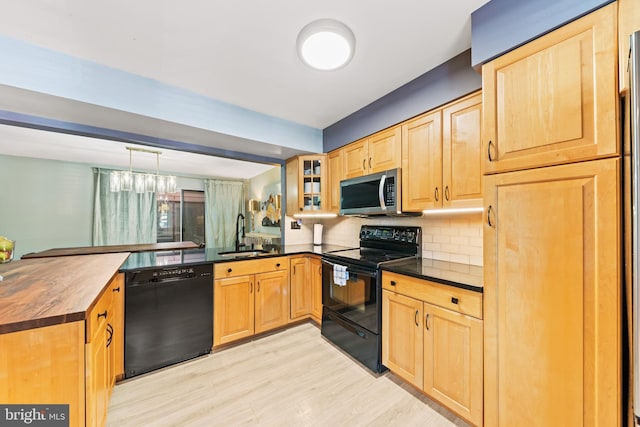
(142, 182)
(326, 44)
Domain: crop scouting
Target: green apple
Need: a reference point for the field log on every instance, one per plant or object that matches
(4, 255)
(6, 244)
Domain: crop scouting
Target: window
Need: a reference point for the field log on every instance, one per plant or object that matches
(181, 217)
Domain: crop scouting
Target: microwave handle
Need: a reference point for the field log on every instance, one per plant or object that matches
(383, 206)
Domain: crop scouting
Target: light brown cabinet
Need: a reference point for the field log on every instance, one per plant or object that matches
(315, 273)
(272, 300)
(402, 337)
(422, 162)
(453, 361)
(462, 153)
(379, 152)
(306, 287)
(306, 184)
(117, 341)
(628, 23)
(104, 354)
(249, 297)
(301, 292)
(441, 157)
(552, 296)
(432, 337)
(555, 99)
(336, 174)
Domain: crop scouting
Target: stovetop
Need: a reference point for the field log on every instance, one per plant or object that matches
(367, 256)
(381, 244)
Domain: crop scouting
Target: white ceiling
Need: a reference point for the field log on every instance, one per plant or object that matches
(243, 52)
(24, 142)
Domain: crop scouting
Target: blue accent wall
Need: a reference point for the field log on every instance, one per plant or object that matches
(502, 25)
(34, 68)
(446, 82)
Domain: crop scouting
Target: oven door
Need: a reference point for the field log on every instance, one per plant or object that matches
(357, 300)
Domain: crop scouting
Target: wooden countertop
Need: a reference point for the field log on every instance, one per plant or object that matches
(48, 291)
(89, 250)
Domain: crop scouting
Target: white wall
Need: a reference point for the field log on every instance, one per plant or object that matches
(456, 238)
(45, 204)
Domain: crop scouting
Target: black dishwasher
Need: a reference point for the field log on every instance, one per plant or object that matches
(168, 316)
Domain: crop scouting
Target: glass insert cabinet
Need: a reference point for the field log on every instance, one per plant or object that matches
(306, 184)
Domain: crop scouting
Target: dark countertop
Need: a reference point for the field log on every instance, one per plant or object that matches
(90, 250)
(449, 273)
(49, 291)
(154, 259)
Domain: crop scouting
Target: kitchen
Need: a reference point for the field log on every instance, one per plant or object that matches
(442, 236)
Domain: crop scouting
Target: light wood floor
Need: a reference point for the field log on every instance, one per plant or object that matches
(291, 378)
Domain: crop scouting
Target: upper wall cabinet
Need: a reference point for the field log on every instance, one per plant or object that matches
(376, 153)
(335, 166)
(541, 101)
(306, 184)
(628, 23)
(422, 162)
(441, 157)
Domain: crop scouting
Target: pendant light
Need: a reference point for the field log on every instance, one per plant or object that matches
(142, 182)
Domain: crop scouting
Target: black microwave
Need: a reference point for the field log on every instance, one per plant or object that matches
(374, 194)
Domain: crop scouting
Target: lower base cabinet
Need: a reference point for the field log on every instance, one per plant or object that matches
(315, 276)
(249, 297)
(436, 349)
(71, 363)
(306, 287)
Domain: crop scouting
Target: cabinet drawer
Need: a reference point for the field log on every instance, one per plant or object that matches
(241, 268)
(99, 314)
(449, 297)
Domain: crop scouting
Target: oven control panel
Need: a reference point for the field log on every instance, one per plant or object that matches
(390, 234)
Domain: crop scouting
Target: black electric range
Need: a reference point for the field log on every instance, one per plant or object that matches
(352, 289)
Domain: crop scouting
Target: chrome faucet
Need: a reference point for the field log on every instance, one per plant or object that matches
(240, 217)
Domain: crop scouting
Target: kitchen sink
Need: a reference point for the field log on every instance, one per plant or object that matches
(248, 253)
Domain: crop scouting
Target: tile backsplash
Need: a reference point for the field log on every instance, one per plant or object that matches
(455, 238)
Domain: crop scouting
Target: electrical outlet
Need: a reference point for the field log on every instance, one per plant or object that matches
(295, 225)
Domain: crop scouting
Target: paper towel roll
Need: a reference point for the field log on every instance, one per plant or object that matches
(317, 234)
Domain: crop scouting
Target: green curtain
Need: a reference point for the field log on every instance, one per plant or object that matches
(223, 201)
(124, 217)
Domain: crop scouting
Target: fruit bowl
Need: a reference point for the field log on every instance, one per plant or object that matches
(6, 249)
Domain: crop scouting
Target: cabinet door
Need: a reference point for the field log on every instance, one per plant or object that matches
(335, 168)
(552, 296)
(272, 300)
(385, 150)
(301, 292)
(422, 163)
(294, 194)
(355, 159)
(402, 338)
(315, 274)
(555, 99)
(453, 361)
(47, 364)
(461, 153)
(233, 309)
(98, 382)
(628, 23)
(117, 341)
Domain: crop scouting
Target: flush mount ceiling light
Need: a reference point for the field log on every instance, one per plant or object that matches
(326, 44)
